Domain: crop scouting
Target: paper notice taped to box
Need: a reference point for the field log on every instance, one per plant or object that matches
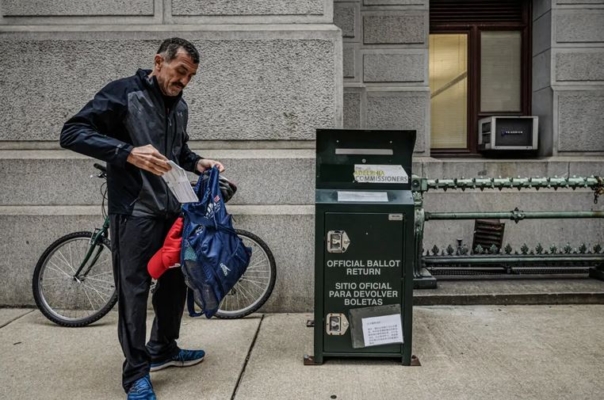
(372, 173)
(386, 329)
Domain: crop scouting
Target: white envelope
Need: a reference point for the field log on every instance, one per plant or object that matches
(179, 184)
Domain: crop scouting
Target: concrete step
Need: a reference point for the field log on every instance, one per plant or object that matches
(48, 193)
(286, 177)
(287, 230)
(58, 177)
(289, 233)
(519, 291)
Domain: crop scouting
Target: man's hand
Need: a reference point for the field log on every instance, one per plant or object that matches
(205, 164)
(149, 159)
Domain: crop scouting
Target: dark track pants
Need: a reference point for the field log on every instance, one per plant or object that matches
(134, 240)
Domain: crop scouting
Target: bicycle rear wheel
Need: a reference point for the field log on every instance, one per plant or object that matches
(255, 286)
(73, 301)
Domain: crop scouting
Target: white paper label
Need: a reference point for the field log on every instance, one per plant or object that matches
(363, 196)
(366, 173)
(382, 330)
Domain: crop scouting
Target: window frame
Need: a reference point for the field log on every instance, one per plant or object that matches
(474, 30)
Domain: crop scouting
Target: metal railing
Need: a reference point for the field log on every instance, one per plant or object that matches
(496, 260)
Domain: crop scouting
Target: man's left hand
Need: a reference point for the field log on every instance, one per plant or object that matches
(205, 164)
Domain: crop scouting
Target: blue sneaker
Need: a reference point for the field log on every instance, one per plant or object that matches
(184, 358)
(142, 389)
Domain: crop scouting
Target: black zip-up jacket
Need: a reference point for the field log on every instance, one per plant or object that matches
(128, 113)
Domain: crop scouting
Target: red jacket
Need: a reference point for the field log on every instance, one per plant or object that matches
(169, 255)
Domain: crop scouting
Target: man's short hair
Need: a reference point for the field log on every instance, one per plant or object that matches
(170, 47)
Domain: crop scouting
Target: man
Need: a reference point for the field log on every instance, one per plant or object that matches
(136, 125)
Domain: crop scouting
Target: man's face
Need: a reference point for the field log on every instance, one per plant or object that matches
(175, 75)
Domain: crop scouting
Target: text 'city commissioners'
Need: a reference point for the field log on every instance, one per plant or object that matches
(381, 179)
(380, 174)
(363, 267)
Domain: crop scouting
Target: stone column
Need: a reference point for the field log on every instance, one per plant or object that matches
(568, 75)
(386, 66)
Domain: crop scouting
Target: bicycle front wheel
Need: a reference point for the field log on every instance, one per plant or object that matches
(257, 283)
(74, 300)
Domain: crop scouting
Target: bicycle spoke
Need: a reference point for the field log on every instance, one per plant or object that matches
(97, 264)
(257, 274)
(243, 292)
(70, 256)
(255, 271)
(58, 269)
(108, 288)
(103, 297)
(105, 285)
(58, 278)
(69, 300)
(234, 300)
(62, 257)
(103, 279)
(226, 302)
(104, 262)
(88, 297)
(237, 298)
(255, 283)
(255, 267)
(101, 274)
(241, 298)
(57, 283)
(255, 263)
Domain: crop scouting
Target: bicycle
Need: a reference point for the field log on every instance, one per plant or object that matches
(73, 283)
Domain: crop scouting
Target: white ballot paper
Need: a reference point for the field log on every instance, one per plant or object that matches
(382, 330)
(179, 184)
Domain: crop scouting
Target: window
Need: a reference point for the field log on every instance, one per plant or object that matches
(449, 90)
(480, 65)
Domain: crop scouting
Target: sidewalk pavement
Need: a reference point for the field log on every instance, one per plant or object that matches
(466, 352)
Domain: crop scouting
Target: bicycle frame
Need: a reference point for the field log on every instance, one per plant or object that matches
(90, 254)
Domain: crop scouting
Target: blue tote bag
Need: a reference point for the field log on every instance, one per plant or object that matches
(213, 257)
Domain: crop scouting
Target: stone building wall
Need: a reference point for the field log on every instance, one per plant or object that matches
(270, 74)
(386, 87)
(272, 71)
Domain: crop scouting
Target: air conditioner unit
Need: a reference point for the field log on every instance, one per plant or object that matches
(508, 133)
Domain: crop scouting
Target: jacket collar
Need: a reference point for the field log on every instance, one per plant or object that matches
(151, 83)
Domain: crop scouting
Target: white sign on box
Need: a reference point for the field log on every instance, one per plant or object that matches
(386, 329)
(372, 173)
(363, 197)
